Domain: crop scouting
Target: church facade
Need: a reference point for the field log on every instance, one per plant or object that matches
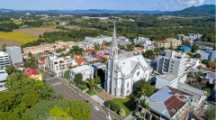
(123, 70)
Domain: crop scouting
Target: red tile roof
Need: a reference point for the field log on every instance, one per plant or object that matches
(31, 71)
(79, 60)
(173, 104)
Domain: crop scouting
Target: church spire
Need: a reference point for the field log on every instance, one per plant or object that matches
(114, 41)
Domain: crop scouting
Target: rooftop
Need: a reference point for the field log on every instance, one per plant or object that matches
(31, 71)
(168, 77)
(81, 68)
(3, 53)
(167, 101)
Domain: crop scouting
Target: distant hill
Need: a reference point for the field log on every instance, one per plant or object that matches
(203, 10)
(6, 10)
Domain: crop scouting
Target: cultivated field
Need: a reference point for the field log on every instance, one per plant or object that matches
(36, 31)
(17, 37)
(22, 36)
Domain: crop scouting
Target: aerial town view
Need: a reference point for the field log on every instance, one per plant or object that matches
(107, 60)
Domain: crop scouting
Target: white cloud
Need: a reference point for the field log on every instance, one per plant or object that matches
(191, 2)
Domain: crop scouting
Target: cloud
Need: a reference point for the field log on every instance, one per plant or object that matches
(191, 2)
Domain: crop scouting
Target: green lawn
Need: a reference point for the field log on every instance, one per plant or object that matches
(18, 37)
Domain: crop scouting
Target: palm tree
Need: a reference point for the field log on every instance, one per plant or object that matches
(93, 84)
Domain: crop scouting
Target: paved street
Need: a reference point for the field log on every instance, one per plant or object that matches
(68, 92)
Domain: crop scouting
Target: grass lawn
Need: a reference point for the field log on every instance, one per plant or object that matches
(17, 37)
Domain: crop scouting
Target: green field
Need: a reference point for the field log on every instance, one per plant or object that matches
(17, 37)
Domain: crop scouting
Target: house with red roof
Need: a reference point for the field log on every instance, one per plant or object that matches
(33, 73)
(170, 104)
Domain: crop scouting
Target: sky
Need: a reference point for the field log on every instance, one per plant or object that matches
(163, 5)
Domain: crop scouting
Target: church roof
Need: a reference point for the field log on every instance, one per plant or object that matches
(128, 65)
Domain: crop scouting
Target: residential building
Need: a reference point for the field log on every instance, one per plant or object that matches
(4, 59)
(58, 65)
(86, 71)
(169, 43)
(99, 40)
(52, 47)
(169, 104)
(3, 77)
(146, 43)
(172, 62)
(207, 54)
(124, 70)
(15, 54)
(174, 68)
(191, 37)
(123, 41)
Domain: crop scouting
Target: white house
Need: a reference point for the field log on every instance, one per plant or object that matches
(86, 71)
(124, 70)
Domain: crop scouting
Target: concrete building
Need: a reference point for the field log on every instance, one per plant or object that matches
(207, 54)
(174, 68)
(15, 54)
(169, 43)
(3, 77)
(86, 71)
(4, 60)
(192, 37)
(124, 70)
(58, 65)
(172, 62)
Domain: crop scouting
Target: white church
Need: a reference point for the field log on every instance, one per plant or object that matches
(124, 70)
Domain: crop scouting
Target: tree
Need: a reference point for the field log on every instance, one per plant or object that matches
(122, 112)
(31, 62)
(197, 56)
(67, 75)
(10, 69)
(78, 80)
(58, 114)
(93, 84)
(76, 50)
(211, 64)
(149, 54)
(142, 88)
(194, 48)
(210, 113)
(97, 47)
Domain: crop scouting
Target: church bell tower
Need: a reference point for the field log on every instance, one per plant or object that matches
(111, 79)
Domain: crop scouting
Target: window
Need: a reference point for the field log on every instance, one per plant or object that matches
(138, 73)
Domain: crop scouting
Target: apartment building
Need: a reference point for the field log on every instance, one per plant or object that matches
(4, 59)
